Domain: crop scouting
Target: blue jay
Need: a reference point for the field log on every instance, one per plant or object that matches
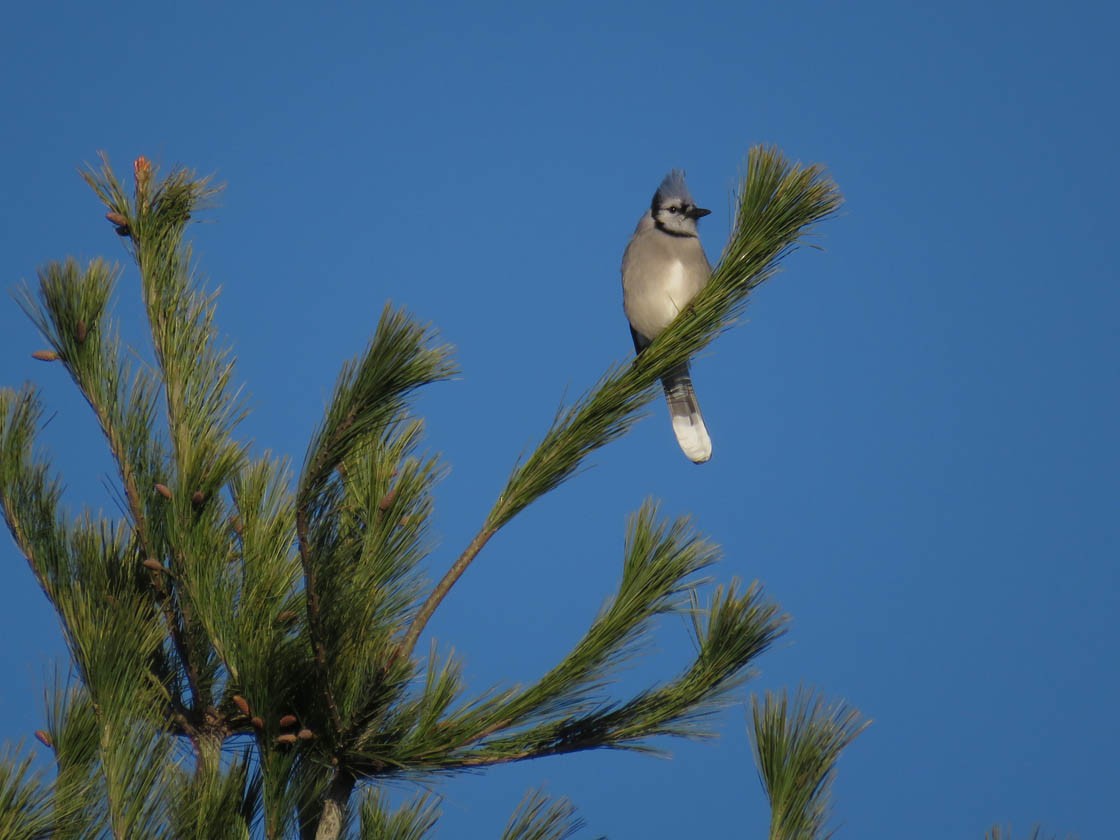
(663, 268)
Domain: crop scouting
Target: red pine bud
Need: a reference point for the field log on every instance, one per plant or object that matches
(257, 722)
(288, 720)
(305, 734)
(163, 490)
(142, 170)
(286, 738)
(153, 564)
(80, 331)
(45, 356)
(44, 738)
(241, 703)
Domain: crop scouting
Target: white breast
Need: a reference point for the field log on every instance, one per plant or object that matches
(655, 301)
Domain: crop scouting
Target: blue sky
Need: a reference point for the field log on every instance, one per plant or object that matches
(914, 431)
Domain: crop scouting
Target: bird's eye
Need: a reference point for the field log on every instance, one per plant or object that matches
(674, 210)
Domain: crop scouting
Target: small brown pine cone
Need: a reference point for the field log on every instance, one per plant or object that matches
(241, 703)
(288, 720)
(81, 331)
(44, 738)
(163, 490)
(45, 356)
(257, 722)
(153, 564)
(387, 500)
(120, 223)
(286, 738)
(305, 734)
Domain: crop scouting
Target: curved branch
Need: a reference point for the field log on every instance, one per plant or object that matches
(427, 610)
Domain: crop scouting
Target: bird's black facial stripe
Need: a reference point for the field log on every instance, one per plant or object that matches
(675, 207)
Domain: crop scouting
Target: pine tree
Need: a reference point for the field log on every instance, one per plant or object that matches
(243, 640)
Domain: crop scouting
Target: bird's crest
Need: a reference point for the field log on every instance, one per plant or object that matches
(673, 186)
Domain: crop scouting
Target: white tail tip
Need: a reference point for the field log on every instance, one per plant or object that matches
(692, 435)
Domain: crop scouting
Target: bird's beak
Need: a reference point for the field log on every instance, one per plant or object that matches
(699, 212)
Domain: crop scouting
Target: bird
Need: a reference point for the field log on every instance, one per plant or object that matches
(663, 268)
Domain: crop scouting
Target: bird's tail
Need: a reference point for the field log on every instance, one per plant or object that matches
(688, 424)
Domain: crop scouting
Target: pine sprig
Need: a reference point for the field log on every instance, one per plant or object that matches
(202, 409)
(256, 618)
(26, 811)
(371, 395)
(566, 711)
(660, 560)
(220, 803)
(366, 418)
(71, 312)
(796, 745)
(29, 495)
(74, 737)
(413, 820)
(539, 817)
(997, 832)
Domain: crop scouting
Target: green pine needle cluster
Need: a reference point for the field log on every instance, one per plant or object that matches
(243, 639)
(797, 744)
(997, 832)
(541, 818)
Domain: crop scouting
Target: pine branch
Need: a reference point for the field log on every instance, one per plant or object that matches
(219, 804)
(778, 203)
(26, 811)
(113, 633)
(366, 418)
(997, 832)
(73, 735)
(540, 818)
(253, 619)
(70, 313)
(796, 747)
(413, 820)
(737, 629)
(28, 497)
(195, 374)
(731, 633)
(660, 559)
